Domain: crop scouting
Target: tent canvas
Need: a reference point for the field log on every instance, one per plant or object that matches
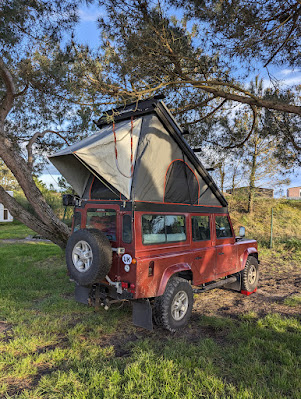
(141, 157)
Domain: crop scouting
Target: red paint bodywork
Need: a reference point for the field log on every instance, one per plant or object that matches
(205, 261)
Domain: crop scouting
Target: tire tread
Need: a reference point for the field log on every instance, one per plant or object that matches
(162, 304)
(245, 285)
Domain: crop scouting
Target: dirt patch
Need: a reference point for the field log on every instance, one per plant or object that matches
(276, 283)
(5, 331)
(22, 240)
(17, 385)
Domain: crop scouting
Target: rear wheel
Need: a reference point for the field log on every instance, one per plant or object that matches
(88, 256)
(250, 275)
(173, 309)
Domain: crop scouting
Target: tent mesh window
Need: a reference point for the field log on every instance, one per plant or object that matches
(181, 184)
(99, 190)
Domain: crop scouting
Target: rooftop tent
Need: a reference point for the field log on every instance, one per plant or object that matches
(141, 157)
(96, 155)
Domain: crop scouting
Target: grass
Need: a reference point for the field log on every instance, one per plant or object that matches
(294, 300)
(14, 230)
(52, 347)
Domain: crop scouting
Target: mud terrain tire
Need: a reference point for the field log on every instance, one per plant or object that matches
(173, 309)
(88, 256)
(250, 275)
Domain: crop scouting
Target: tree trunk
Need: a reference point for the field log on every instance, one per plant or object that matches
(252, 180)
(222, 176)
(234, 178)
(45, 222)
(28, 219)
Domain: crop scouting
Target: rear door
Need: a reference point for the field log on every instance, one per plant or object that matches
(225, 250)
(203, 263)
(105, 217)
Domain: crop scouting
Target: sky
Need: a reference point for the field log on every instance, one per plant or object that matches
(87, 33)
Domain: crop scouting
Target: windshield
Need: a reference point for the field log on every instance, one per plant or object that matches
(103, 220)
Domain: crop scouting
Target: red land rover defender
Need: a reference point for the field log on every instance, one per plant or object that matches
(149, 224)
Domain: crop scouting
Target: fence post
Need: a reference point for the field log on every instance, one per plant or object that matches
(64, 213)
(271, 237)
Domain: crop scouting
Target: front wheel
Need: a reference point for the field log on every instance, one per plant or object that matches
(173, 309)
(250, 275)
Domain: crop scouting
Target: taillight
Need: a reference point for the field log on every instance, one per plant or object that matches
(132, 288)
(128, 286)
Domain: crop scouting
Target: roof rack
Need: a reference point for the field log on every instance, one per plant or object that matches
(122, 113)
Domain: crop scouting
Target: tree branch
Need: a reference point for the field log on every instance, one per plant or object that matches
(209, 87)
(284, 42)
(254, 109)
(253, 101)
(8, 99)
(33, 140)
(20, 93)
(230, 147)
(210, 113)
(190, 107)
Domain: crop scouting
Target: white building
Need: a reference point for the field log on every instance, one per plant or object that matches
(5, 216)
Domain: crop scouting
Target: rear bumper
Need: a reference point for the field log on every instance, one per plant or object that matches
(98, 293)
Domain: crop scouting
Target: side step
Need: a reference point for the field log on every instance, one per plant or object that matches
(233, 280)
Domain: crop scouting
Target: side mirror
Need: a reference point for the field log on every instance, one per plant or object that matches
(68, 200)
(242, 231)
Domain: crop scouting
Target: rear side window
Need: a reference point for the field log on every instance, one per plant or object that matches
(223, 228)
(157, 229)
(200, 228)
(127, 229)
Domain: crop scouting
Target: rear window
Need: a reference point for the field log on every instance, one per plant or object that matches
(223, 228)
(103, 220)
(158, 229)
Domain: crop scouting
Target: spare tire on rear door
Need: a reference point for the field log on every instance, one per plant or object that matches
(88, 256)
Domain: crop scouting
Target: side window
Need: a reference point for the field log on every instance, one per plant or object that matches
(77, 221)
(127, 229)
(163, 228)
(222, 225)
(175, 228)
(200, 228)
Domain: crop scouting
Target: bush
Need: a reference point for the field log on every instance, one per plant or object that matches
(53, 199)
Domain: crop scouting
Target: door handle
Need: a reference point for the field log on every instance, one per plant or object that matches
(199, 257)
(221, 253)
